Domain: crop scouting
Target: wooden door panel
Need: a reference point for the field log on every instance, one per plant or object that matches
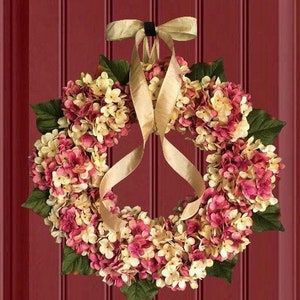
(82, 41)
(44, 83)
(170, 187)
(221, 37)
(49, 42)
(135, 189)
(262, 65)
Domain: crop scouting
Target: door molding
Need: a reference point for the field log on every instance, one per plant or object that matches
(289, 74)
(14, 136)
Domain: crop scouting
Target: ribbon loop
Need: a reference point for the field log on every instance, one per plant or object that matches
(180, 29)
(123, 29)
(183, 28)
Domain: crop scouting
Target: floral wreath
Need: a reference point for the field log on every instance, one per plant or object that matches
(143, 254)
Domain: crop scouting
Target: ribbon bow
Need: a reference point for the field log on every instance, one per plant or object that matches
(180, 29)
(152, 119)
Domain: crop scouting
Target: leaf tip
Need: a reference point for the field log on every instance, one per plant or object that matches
(281, 228)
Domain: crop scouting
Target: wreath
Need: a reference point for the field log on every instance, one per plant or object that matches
(144, 254)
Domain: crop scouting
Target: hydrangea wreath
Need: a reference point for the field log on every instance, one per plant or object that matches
(70, 159)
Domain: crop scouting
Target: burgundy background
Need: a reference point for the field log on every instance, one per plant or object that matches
(44, 43)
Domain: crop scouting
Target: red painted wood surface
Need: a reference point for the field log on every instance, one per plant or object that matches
(45, 43)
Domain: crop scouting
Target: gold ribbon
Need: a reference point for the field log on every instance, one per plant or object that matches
(181, 29)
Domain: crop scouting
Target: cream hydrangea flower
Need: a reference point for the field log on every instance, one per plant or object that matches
(88, 235)
(129, 260)
(241, 130)
(226, 248)
(76, 131)
(63, 122)
(204, 137)
(112, 96)
(205, 81)
(121, 116)
(243, 221)
(103, 229)
(62, 180)
(84, 217)
(100, 128)
(53, 217)
(182, 101)
(106, 248)
(171, 275)
(101, 84)
(99, 161)
(222, 105)
(126, 234)
(260, 204)
(160, 236)
(109, 110)
(154, 87)
(245, 108)
(83, 202)
(47, 144)
(197, 269)
(80, 100)
(169, 251)
(204, 114)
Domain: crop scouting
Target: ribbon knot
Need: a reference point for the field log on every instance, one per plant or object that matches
(149, 28)
(152, 119)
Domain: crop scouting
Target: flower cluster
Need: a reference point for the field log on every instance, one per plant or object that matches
(64, 168)
(213, 112)
(162, 248)
(95, 112)
(246, 172)
(70, 163)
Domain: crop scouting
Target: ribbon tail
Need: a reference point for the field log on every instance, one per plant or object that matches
(146, 51)
(121, 170)
(191, 209)
(112, 221)
(180, 29)
(113, 176)
(154, 55)
(170, 90)
(183, 166)
(142, 102)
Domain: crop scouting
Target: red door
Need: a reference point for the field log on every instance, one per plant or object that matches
(45, 43)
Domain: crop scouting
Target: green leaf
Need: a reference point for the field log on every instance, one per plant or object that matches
(144, 289)
(37, 202)
(117, 70)
(263, 126)
(267, 220)
(222, 269)
(212, 69)
(47, 114)
(75, 263)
